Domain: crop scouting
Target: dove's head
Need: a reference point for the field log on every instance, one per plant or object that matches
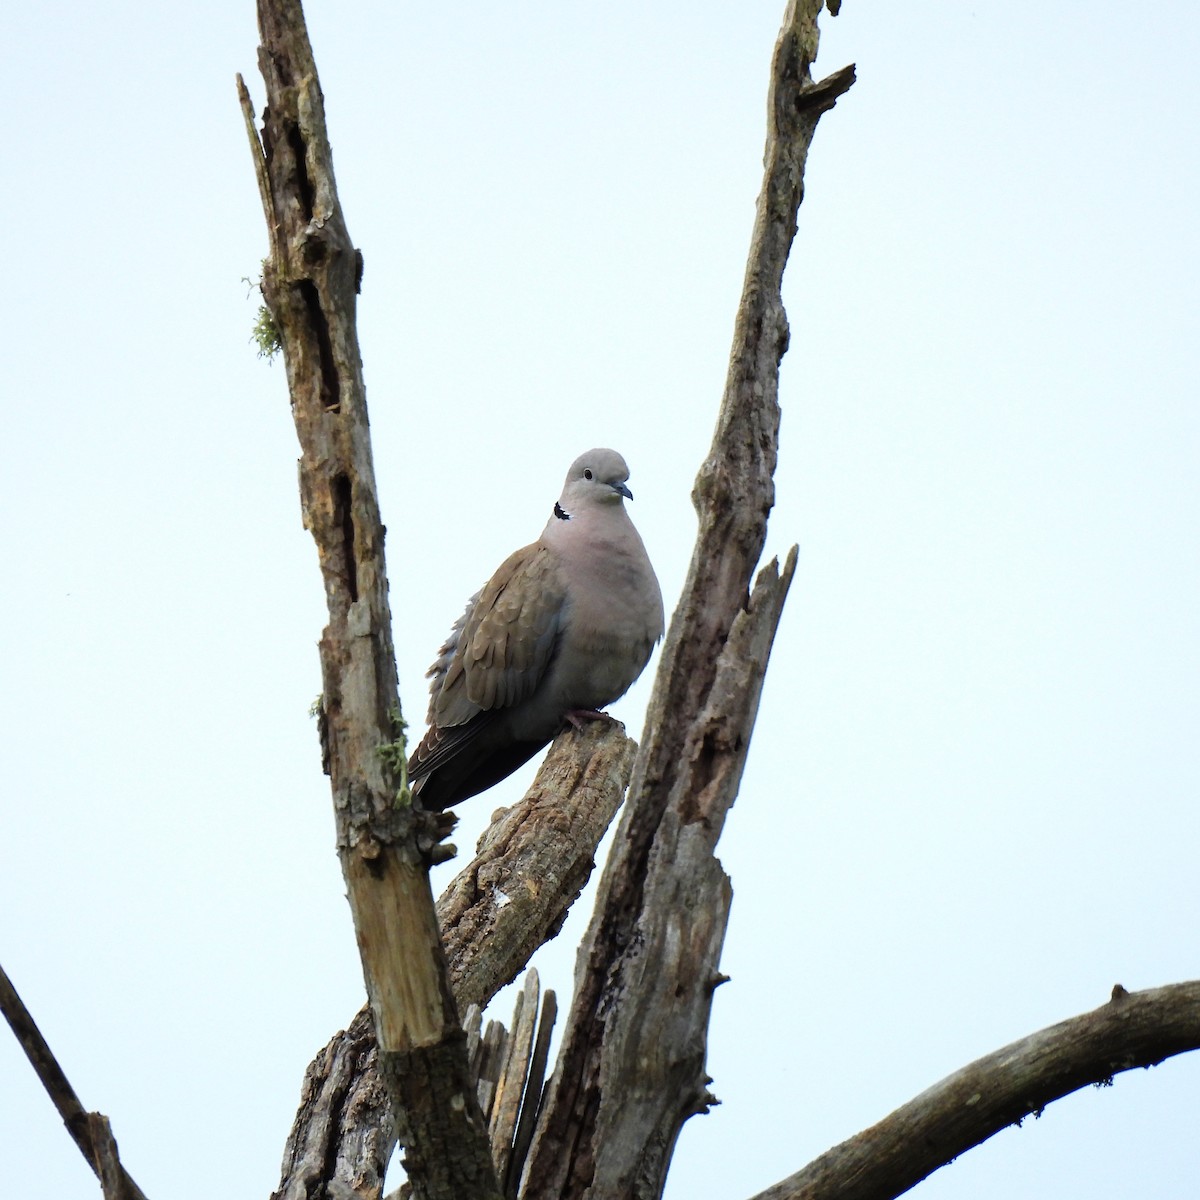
(595, 479)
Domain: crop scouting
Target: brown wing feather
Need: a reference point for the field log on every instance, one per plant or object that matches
(506, 640)
(440, 745)
(495, 657)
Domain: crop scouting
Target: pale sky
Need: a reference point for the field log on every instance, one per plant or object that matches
(970, 806)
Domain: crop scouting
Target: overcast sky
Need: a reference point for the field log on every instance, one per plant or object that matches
(970, 806)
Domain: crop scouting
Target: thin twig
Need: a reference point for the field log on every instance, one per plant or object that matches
(81, 1125)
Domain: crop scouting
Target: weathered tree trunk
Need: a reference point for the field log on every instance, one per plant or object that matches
(530, 866)
(310, 280)
(631, 1070)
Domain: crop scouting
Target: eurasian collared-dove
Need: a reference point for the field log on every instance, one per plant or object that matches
(562, 629)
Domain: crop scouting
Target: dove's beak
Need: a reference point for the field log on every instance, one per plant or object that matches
(622, 490)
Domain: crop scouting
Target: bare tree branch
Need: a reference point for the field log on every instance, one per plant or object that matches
(531, 865)
(90, 1131)
(631, 1070)
(309, 284)
(1134, 1029)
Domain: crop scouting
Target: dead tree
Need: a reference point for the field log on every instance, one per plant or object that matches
(415, 1067)
(631, 1070)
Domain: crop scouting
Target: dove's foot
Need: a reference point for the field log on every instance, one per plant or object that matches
(577, 718)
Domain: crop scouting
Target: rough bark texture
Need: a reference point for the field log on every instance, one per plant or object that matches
(631, 1070)
(533, 862)
(343, 1134)
(309, 284)
(531, 865)
(1137, 1029)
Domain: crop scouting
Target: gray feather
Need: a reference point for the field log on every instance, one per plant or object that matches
(566, 624)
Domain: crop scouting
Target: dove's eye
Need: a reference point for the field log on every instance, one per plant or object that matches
(586, 473)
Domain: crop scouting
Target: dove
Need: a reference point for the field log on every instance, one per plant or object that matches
(560, 631)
